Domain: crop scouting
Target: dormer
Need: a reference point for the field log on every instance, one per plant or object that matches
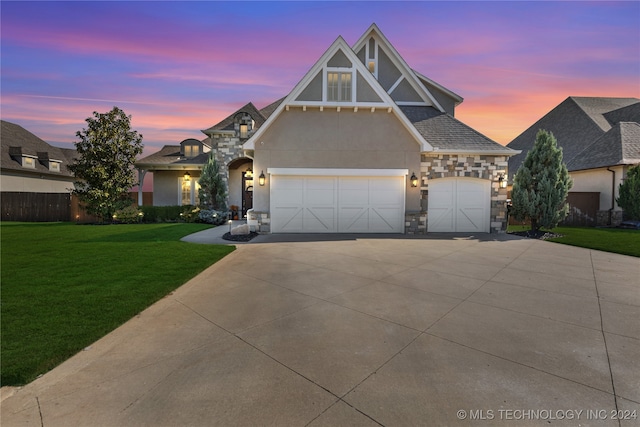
(243, 125)
(52, 164)
(190, 148)
(26, 160)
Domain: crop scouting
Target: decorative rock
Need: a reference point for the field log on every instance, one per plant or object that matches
(240, 230)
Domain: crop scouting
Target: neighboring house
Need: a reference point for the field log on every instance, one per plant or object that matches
(600, 140)
(30, 165)
(363, 143)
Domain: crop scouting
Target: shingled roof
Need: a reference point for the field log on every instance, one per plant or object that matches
(619, 146)
(16, 141)
(446, 133)
(169, 156)
(228, 123)
(576, 123)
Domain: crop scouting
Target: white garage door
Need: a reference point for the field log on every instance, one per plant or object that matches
(337, 204)
(459, 205)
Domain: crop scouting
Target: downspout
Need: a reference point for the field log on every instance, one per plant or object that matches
(613, 195)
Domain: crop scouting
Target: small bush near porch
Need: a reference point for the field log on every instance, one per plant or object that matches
(64, 285)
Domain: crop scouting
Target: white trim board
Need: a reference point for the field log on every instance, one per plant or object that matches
(337, 172)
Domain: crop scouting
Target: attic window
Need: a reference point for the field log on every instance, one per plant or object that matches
(28, 162)
(338, 86)
(191, 151)
(54, 166)
(244, 131)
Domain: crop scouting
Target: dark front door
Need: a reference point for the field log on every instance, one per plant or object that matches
(247, 193)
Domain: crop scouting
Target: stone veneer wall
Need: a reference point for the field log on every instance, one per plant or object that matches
(602, 218)
(259, 221)
(227, 149)
(434, 167)
(490, 167)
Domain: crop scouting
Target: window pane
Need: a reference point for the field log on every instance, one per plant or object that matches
(186, 192)
(332, 86)
(346, 86)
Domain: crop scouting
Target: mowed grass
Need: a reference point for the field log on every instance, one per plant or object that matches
(616, 240)
(65, 285)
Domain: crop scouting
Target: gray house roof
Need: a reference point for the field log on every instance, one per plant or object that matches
(228, 122)
(619, 146)
(576, 123)
(169, 158)
(16, 141)
(446, 133)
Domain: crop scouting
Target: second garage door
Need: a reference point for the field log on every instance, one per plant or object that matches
(459, 205)
(337, 204)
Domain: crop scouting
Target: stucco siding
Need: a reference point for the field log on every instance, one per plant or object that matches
(364, 91)
(313, 91)
(34, 184)
(328, 139)
(405, 92)
(166, 187)
(599, 180)
(388, 73)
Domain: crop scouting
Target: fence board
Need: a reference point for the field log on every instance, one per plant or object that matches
(35, 207)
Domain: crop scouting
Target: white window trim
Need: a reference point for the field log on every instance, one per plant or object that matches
(33, 162)
(368, 58)
(325, 83)
(337, 172)
(194, 190)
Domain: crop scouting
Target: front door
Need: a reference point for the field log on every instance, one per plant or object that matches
(247, 192)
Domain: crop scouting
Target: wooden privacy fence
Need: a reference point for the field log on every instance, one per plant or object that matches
(35, 207)
(51, 207)
(583, 210)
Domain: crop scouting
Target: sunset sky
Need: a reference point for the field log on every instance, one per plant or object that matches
(178, 67)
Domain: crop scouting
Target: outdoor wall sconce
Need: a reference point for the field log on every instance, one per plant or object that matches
(261, 178)
(502, 181)
(414, 179)
(187, 176)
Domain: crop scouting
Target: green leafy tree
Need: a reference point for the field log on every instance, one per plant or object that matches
(541, 185)
(213, 191)
(629, 190)
(107, 149)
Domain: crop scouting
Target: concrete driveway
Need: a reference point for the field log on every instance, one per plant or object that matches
(339, 331)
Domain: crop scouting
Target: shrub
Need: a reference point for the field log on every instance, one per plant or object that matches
(190, 214)
(629, 199)
(128, 215)
(211, 216)
(164, 213)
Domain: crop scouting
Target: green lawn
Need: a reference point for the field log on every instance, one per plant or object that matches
(616, 240)
(64, 285)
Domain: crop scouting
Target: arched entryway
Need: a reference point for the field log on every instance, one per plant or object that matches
(241, 185)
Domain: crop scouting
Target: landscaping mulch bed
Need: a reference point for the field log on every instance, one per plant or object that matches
(540, 234)
(239, 237)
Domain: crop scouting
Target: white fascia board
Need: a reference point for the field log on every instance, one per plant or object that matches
(459, 99)
(501, 152)
(250, 144)
(398, 61)
(337, 172)
(388, 102)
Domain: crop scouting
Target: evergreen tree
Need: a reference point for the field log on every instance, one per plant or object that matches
(629, 190)
(107, 151)
(541, 185)
(213, 191)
